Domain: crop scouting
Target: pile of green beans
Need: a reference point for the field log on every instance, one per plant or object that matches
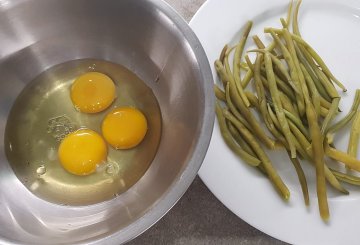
(296, 98)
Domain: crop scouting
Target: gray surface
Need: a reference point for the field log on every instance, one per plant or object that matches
(200, 218)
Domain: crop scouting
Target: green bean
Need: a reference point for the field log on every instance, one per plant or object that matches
(324, 103)
(273, 117)
(258, 42)
(312, 74)
(277, 104)
(254, 101)
(314, 55)
(343, 122)
(237, 58)
(287, 105)
(308, 55)
(329, 117)
(248, 62)
(295, 24)
(350, 179)
(221, 72)
(302, 179)
(319, 61)
(340, 156)
(315, 96)
(233, 108)
(354, 136)
(222, 54)
(261, 91)
(239, 140)
(283, 71)
(328, 86)
(323, 111)
(299, 136)
(297, 144)
(247, 78)
(230, 142)
(282, 86)
(291, 48)
(293, 74)
(246, 113)
(235, 80)
(226, 61)
(274, 130)
(220, 95)
(273, 175)
(297, 122)
(318, 157)
(333, 181)
(288, 16)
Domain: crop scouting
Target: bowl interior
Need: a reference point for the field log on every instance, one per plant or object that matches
(145, 36)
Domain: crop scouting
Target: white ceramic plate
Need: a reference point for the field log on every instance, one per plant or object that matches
(332, 27)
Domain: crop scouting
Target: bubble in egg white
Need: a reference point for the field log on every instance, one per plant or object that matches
(41, 170)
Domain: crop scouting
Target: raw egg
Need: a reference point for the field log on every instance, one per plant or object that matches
(92, 92)
(82, 151)
(124, 127)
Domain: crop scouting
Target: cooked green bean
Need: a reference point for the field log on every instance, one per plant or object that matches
(318, 157)
(246, 113)
(298, 123)
(288, 16)
(254, 101)
(221, 72)
(248, 62)
(329, 117)
(282, 86)
(335, 127)
(232, 108)
(222, 54)
(319, 61)
(340, 156)
(328, 86)
(265, 161)
(295, 24)
(302, 179)
(237, 59)
(315, 96)
(354, 136)
(288, 105)
(293, 74)
(247, 78)
(261, 91)
(312, 74)
(313, 54)
(258, 42)
(239, 140)
(277, 104)
(323, 111)
(324, 103)
(230, 141)
(350, 179)
(220, 95)
(284, 71)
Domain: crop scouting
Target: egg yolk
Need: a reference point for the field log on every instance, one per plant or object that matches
(124, 127)
(82, 151)
(92, 92)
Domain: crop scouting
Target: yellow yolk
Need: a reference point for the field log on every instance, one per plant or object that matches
(92, 92)
(81, 151)
(124, 127)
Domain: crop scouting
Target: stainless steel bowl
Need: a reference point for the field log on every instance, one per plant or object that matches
(149, 38)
